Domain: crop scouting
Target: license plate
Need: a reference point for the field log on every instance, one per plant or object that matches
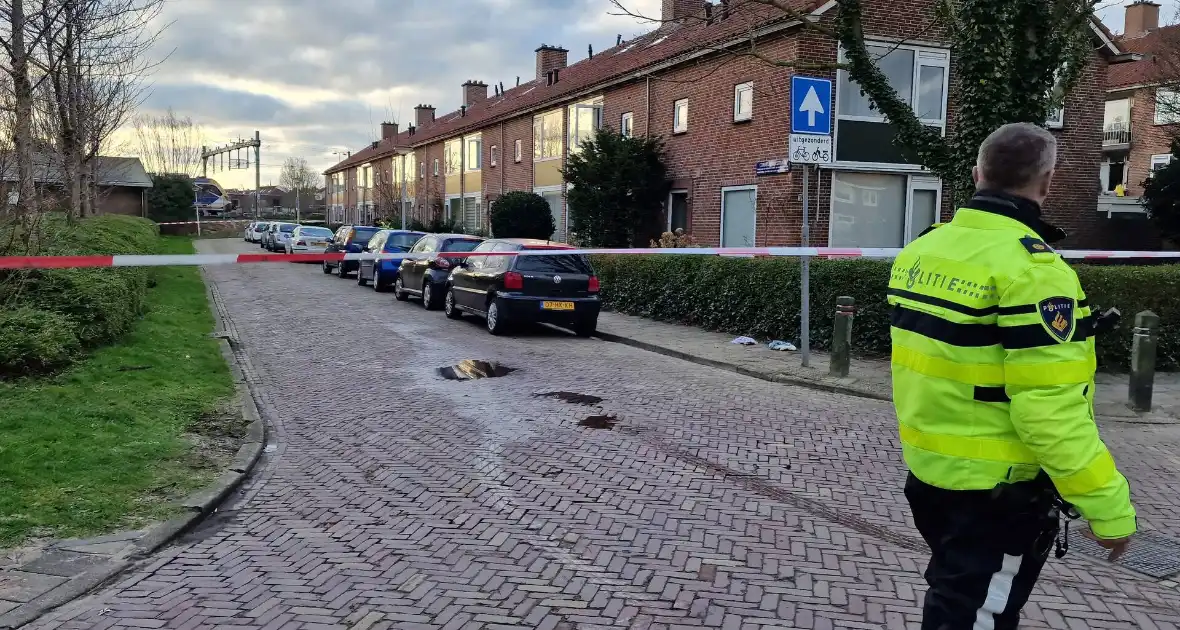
(557, 306)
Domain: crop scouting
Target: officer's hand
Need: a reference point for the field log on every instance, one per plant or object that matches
(1117, 546)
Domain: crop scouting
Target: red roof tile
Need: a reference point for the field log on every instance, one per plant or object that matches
(660, 45)
(1155, 66)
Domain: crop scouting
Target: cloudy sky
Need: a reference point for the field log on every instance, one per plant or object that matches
(318, 76)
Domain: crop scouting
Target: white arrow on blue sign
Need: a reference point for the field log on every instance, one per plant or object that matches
(811, 105)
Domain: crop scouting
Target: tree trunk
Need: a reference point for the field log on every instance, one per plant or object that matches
(23, 109)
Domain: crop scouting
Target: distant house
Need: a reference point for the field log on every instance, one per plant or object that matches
(122, 182)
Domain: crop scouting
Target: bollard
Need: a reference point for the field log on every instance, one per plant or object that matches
(1143, 346)
(842, 336)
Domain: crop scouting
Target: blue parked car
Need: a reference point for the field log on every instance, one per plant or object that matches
(349, 239)
(382, 273)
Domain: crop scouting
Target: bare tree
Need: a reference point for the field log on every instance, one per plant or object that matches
(296, 175)
(168, 144)
(1015, 62)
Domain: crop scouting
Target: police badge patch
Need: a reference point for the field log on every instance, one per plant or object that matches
(1057, 313)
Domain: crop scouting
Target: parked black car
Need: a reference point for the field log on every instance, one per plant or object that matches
(350, 239)
(505, 290)
(427, 276)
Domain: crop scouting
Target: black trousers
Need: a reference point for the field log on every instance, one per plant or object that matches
(987, 550)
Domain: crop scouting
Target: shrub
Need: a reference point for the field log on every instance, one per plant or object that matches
(760, 297)
(87, 307)
(618, 185)
(34, 342)
(522, 214)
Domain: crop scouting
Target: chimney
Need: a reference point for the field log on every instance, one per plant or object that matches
(1142, 16)
(550, 58)
(678, 10)
(388, 130)
(423, 115)
(474, 92)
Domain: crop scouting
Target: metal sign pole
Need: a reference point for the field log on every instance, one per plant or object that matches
(805, 271)
(197, 207)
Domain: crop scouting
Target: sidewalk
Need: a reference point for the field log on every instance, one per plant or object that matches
(869, 378)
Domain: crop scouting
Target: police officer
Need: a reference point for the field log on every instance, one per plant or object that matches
(993, 379)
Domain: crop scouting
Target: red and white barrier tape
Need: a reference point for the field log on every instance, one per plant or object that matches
(63, 262)
(203, 222)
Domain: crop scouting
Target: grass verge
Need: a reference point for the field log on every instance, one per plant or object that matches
(113, 442)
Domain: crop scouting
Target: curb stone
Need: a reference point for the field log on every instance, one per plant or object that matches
(834, 388)
(198, 506)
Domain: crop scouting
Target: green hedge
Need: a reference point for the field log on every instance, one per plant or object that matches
(85, 307)
(760, 297)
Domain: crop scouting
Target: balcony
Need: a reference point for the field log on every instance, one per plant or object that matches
(1116, 136)
(1111, 205)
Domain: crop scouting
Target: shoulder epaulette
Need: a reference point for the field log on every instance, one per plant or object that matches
(1038, 248)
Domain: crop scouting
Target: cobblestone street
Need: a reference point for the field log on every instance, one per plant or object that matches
(393, 498)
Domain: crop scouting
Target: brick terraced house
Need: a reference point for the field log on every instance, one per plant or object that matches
(720, 113)
(1142, 113)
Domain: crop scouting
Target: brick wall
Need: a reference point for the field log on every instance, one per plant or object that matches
(121, 200)
(1147, 139)
(432, 190)
(1073, 199)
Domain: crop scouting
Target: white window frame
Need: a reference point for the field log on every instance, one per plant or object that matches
(725, 189)
(1159, 160)
(914, 181)
(941, 124)
(494, 155)
(934, 57)
(436, 167)
(1163, 117)
(668, 226)
(627, 124)
(467, 142)
(1056, 118)
(738, 90)
(539, 147)
(680, 123)
(575, 142)
(518, 151)
(421, 170)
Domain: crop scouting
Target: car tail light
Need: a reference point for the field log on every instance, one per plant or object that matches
(513, 281)
(592, 287)
(442, 263)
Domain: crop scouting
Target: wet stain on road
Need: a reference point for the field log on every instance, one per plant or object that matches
(571, 398)
(470, 370)
(599, 422)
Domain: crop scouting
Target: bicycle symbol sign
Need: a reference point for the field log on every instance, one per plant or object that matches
(810, 149)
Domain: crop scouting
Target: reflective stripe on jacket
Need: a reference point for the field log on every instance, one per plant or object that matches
(993, 367)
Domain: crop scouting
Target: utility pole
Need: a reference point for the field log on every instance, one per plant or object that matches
(403, 205)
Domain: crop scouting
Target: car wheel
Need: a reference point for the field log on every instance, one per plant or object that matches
(399, 290)
(360, 278)
(497, 323)
(429, 299)
(449, 308)
(326, 268)
(340, 270)
(378, 286)
(586, 327)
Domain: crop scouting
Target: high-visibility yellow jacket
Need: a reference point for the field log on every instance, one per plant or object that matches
(993, 363)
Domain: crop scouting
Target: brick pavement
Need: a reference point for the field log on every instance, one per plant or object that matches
(396, 499)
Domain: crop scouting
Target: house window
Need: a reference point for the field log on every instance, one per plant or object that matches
(452, 156)
(1160, 161)
(474, 154)
(739, 216)
(743, 102)
(879, 210)
(585, 120)
(1056, 118)
(436, 167)
(680, 116)
(547, 136)
(1167, 106)
(494, 155)
(627, 125)
(422, 170)
(518, 151)
(919, 75)
(678, 210)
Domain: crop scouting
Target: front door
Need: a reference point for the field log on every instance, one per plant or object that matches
(738, 217)
(554, 200)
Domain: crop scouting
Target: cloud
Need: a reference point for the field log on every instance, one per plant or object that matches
(317, 76)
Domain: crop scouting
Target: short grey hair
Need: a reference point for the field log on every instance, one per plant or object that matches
(1016, 155)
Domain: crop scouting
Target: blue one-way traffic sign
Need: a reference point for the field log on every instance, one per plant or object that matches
(811, 105)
